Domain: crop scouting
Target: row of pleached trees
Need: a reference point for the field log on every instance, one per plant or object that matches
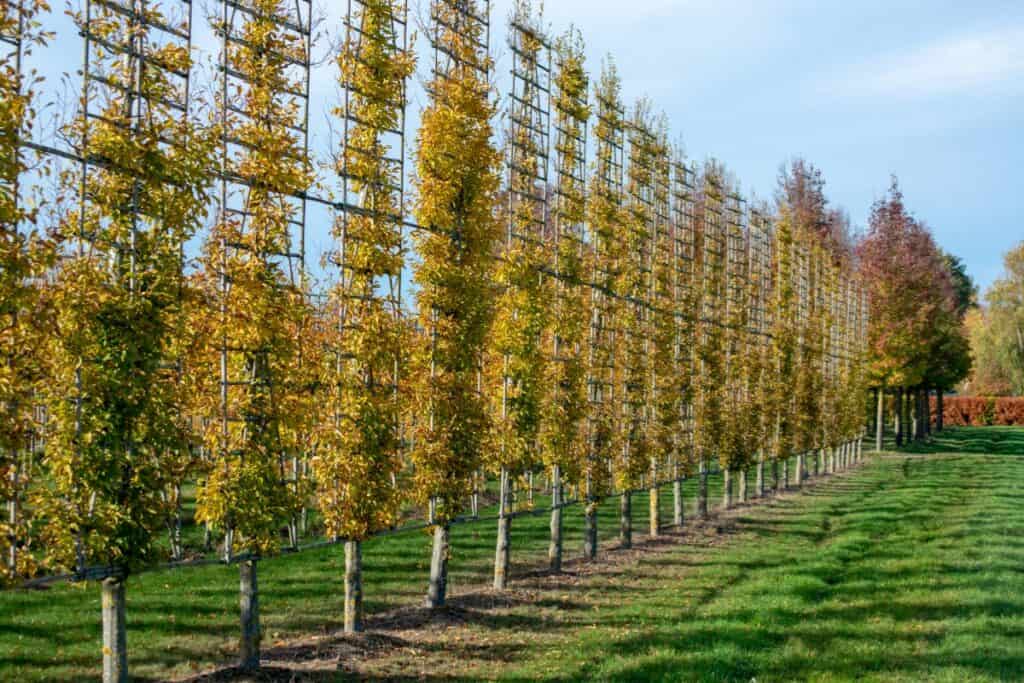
(610, 326)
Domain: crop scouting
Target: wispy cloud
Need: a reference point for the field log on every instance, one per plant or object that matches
(962, 64)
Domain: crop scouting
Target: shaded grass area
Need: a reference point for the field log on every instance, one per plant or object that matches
(979, 440)
(909, 570)
(186, 619)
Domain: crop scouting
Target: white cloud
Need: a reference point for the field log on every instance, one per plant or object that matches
(959, 64)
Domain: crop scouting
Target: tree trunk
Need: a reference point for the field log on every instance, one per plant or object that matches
(590, 531)
(898, 417)
(938, 410)
(726, 488)
(926, 411)
(115, 652)
(914, 406)
(743, 485)
(677, 500)
(800, 467)
(653, 508)
(776, 481)
(438, 567)
(555, 546)
(759, 483)
(879, 418)
(501, 553)
(702, 491)
(249, 655)
(353, 586)
(785, 473)
(626, 520)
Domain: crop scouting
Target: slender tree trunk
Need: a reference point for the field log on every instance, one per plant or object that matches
(898, 417)
(438, 567)
(590, 531)
(677, 499)
(12, 519)
(926, 411)
(759, 483)
(626, 520)
(702, 491)
(800, 467)
(726, 488)
(938, 409)
(776, 480)
(249, 657)
(115, 650)
(914, 412)
(501, 553)
(879, 417)
(353, 586)
(785, 473)
(555, 547)
(654, 509)
(743, 485)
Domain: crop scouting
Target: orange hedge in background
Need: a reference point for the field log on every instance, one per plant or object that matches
(980, 411)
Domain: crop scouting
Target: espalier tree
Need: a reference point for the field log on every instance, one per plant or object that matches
(783, 313)
(112, 393)
(25, 255)
(667, 382)
(604, 218)
(809, 381)
(739, 413)
(257, 308)
(562, 433)
(633, 381)
(516, 366)
(358, 455)
(709, 417)
(686, 299)
(457, 180)
(759, 327)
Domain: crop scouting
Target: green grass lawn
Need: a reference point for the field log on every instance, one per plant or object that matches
(181, 620)
(910, 568)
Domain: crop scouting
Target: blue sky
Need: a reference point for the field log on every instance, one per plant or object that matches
(931, 91)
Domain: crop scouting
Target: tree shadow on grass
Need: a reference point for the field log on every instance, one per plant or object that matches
(975, 440)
